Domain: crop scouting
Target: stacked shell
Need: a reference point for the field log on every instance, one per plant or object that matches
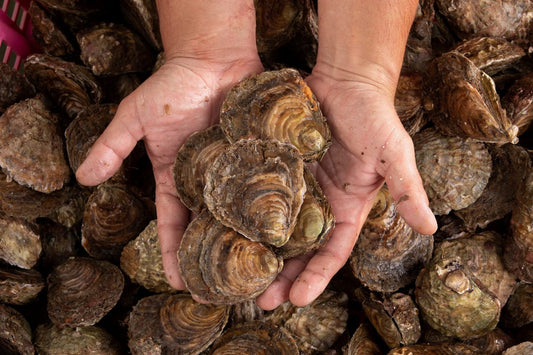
(247, 183)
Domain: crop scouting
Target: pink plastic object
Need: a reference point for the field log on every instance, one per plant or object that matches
(15, 32)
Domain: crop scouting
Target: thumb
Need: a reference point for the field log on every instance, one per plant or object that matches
(111, 148)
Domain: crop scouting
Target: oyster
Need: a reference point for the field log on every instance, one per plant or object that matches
(15, 332)
(81, 291)
(19, 286)
(518, 311)
(255, 338)
(388, 253)
(174, 324)
(525, 347)
(20, 243)
(221, 266)
(246, 311)
(58, 243)
(113, 49)
(518, 102)
(454, 171)
(463, 289)
(278, 105)
(466, 103)
(256, 187)
(143, 17)
(492, 343)
(71, 86)
(363, 342)
(141, 260)
(31, 147)
(14, 87)
(419, 49)
(408, 101)
(450, 348)
(51, 340)
(316, 326)
(194, 158)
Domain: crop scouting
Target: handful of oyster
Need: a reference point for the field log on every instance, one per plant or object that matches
(255, 201)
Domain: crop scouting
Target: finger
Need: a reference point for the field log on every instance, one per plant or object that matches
(111, 148)
(278, 291)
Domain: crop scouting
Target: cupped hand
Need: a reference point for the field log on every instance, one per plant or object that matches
(370, 147)
(183, 96)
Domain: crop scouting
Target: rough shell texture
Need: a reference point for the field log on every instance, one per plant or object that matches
(454, 171)
(15, 332)
(174, 324)
(364, 341)
(525, 347)
(193, 160)
(518, 102)
(255, 338)
(462, 291)
(257, 187)
(408, 101)
(19, 286)
(449, 348)
(143, 17)
(279, 105)
(31, 147)
(58, 244)
(81, 291)
(221, 266)
(388, 253)
(518, 311)
(20, 243)
(14, 87)
(466, 103)
(317, 326)
(141, 260)
(51, 340)
(113, 49)
(492, 343)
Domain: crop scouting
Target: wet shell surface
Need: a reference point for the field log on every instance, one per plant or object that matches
(278, 105)
(174, 324)
(81, 291)
(454, 171)
(31, 147)
(256, 187)
(220, 266)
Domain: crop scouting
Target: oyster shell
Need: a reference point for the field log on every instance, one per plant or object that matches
(15, 332)
(518, 311)
(278, 105)
(408, 101)
(31, 147)
(194, 158)
(388, 253)
(363, 342)
(256, 187)
(51, 340)
(174, 324)
(141, 260)
(492, 343)
(14, 87)
(82, 290)
(143, 17)
(518, 102)
(255, 338)
(525, 347)
(58, 244)
(454, 171)
(20, 243)
(450, 348)
(220, 266)
(463, 289)
(419, 49)
(466, 103)
(113, 49)
(19, 286)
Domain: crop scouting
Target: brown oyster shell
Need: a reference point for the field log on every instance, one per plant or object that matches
(71, 86)
(15, 332)
(257, 187)
(314, 224)
(14, 87)
(363, 342)
(492, 343)
(518, 311)
(58, 243)
(174, 324)
(85, 129)
(278, 105)
(408, 101)
(394, 317)
(258, 337)
(317, 326)
(113, 216)
(31, 147)
(194, 158)
(518, 255)
(246, 311)
(388, 253)
(20, 243)
(51, 340)
(525, 347)
(518, 102)
(141, 260)
(81, 291)
(220, 266)
(418, 50)
(113, 49)
(143, 17)
(454, 171)
(466, 103)
(449, 348)
(464, 287)
(19, 286)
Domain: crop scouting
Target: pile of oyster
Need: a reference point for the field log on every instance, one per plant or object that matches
(81, 268)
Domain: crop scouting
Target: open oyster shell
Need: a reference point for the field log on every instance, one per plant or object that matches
(19, 286)
(20, 243)
(388, 244)
(81, 291)
(220, 266)
(464, 287)
(174, 324)
(14, 87)
(31, 147)
(454, 171)
(15, 332)
(278, 105)
(256, 187)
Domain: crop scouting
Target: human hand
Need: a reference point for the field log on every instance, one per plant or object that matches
(183, 96)
(370, 147)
